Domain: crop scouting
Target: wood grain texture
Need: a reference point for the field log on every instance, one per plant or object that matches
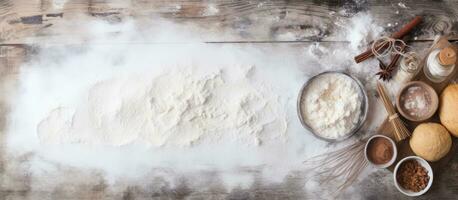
(71, 183)
(10, 59)
(247, 20)
(404, 149)
(266, 22)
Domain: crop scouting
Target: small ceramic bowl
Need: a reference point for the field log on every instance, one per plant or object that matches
(432, 109)
(422, 163)
(395, 151)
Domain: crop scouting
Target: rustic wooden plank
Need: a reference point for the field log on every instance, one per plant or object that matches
(10, 59)
(386, 128)
(245, 20)
(250, 21)
(17, 183)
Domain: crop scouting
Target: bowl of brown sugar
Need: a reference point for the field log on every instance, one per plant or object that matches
(380, 151)
(413, 176)
(417, 101)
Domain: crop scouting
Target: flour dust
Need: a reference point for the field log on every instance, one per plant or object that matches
(167, 101)
(178, 107)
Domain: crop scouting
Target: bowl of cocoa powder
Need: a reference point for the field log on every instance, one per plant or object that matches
(380, 151)
(413, 176)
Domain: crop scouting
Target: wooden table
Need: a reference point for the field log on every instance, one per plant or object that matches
(307, 21)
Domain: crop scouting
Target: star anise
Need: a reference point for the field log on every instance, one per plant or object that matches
(385, 72)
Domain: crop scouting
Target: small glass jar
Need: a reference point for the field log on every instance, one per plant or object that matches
(408, 68)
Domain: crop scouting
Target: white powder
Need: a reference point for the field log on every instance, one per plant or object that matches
(211, 10)
(59, 4)
(402, 5)
(51, 85)
(177, 107)
(331, 105)
(416, 101)
(363, 29)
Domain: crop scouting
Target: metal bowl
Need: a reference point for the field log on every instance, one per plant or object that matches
(362, 117)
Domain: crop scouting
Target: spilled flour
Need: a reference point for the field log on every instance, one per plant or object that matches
(175, 107)
(137, 104)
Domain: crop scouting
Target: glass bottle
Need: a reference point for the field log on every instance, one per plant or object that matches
(408, 68)
(440, 64)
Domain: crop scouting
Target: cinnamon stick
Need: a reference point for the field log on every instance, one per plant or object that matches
(397, 35)
(407, 28)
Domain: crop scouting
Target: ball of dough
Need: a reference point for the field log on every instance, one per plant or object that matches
(448, 110)
(431, 141)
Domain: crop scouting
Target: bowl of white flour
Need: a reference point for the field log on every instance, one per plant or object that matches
(332, 105)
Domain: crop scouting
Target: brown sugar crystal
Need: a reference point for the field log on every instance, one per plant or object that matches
(412, 176)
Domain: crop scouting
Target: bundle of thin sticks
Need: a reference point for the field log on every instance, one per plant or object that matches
(341, 166)
(401, 132)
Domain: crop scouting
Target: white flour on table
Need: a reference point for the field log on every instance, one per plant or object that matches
(88, 108)
(177, 107)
